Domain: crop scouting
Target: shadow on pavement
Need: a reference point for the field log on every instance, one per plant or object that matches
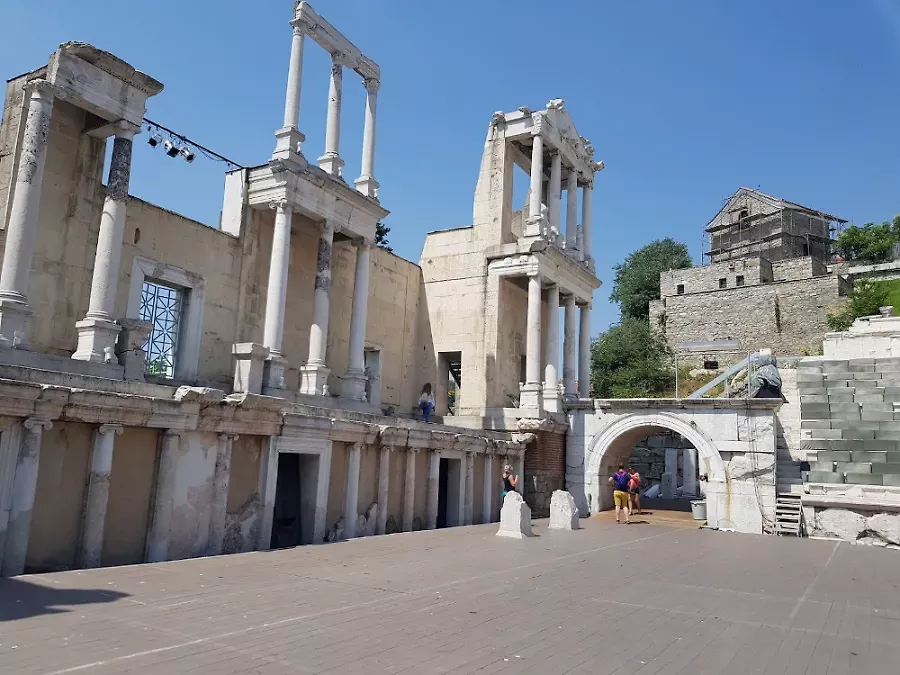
(21, 599)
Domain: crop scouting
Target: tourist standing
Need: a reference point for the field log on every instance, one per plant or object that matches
(619, 481)
(509, 480)
(426, 402)
(634, 489)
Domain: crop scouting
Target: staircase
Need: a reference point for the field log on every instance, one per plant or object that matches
(788, 515)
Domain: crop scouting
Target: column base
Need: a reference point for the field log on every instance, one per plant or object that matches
(288, 141)
(273, 375)
(249, 368)
(368, 186)
(552, 400)
(354, 385)
(531, 396)
(314, 380)
(15, 322)
(535, 227)
(97, 340)
(332, 164)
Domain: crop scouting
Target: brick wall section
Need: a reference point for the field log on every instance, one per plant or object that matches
(545, 471)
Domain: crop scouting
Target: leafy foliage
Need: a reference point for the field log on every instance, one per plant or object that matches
(866, 298)
(381, 237)
(630, 360)
(637, 279)
(870, 242)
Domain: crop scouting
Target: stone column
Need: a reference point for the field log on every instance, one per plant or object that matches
(409, 489)
(569, 337)
(267, 485)
(554, 200)
(366, 182)
(384, 487)
(98, 331)
(520, 472)
(323, 482)
(289, 138)
(219, 507)
(161, 523)
(331, 161)
(535, 220)
(314, 375)
(21, 505)
(469, 499)
(488, 489)
(551, 356)
(94, 516)
(15, 314)
(276, 297)
(351, 494)
(434, 482)
(355, 377)
(584, 353)
(572, 210)
(587, 193)
(689, 472)
(670, 477)
(531, 392)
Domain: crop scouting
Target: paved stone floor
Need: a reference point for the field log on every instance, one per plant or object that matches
(648, 599)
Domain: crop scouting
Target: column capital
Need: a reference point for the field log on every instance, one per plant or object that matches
(41, 89)
(224, 438)
(328, 228)
(115, 429)
(372, 84)
(534, 274)
(37, 424)
(279, 204)
(171, 433)
(298, 28)
(357, 445)
(598, 166)
(125, 129)
(363, 244)
(337, 62)
(415, 451)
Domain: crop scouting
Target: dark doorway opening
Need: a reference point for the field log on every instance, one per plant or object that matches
(442, 493)
(286, 526)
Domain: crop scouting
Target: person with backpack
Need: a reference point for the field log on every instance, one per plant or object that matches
(619, 481)
(634, 488)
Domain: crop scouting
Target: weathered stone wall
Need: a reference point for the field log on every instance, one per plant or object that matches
(755, 271)
(864, 526)
(649, 457)
(545, 471)
(787, 317)
(798, 269)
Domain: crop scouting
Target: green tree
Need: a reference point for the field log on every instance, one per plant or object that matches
(381, 237)
(630, 360)
(637, 279)
(870, 242)
(865, 299)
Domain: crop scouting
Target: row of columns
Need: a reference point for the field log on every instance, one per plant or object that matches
(314, 374)
(554, 199)
(289, 138)
(19, 466)
(466, 497)
(538, 392)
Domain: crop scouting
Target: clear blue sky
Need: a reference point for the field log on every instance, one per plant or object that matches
(685, 101)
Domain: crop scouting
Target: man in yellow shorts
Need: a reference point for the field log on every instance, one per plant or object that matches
(619, 481)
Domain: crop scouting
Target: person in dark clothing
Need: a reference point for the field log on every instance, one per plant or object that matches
(509, 480)
(619, 482)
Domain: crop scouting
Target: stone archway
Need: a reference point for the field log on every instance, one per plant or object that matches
(613, 444)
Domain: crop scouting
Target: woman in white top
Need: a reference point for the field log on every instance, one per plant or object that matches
(426, 402)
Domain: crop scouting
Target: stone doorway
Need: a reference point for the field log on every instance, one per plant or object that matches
(670, 476)
(449, 492)
(293, 521)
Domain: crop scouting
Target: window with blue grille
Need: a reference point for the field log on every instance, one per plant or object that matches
(162, 306)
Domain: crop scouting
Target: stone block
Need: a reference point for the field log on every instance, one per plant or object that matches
(832, 384)
(813, 398)
(862, 367)
(862, 478)
(809, 389)
(858, 434)
(871, 457)
(887, 435)
(130, 347)
(833, 456)
(827, 434)
(882, 468)
(824, 477)
(890, 479)
(841, 396)
(817, 411)
(877, 406)
(840, 523)
(667, 486)
(866, 399)
(250, 362)
(853, 467)
(515, 517)
(886, 526)
(822, 466)
(864, 383)
(839, 407)
(876, 416)
(563, 512)
(815, 424)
